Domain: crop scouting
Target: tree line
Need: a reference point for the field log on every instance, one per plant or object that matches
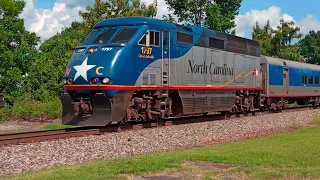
(32, 72)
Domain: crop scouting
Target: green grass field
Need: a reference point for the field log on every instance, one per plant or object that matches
(56, 126)
(293, 155)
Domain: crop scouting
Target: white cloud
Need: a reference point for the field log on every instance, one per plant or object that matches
(46, 22)
(309, 23)
(76, 3)
(246, 21)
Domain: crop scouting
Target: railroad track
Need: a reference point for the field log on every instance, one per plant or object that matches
(36, 136)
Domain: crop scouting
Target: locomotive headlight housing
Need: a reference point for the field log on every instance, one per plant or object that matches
(92, 50)
(65, 81)
(69, 81)
(105, 80)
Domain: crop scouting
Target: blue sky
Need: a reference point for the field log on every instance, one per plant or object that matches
(45, 4)
(297, 9)
(47, 17)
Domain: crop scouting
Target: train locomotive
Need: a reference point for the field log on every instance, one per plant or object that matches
(133, 69)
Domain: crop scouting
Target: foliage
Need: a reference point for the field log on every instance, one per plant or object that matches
(220, 16)
(278, 42)
(52, 109)
(17, 47)
(169, 18)
(116, 8)
(190, 11)
(310, 47)
(293, 155)
(264, 37)
(213, 14)
(45, 78)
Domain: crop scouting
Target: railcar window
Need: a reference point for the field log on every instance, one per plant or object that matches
(104, 36)
(304, 79)
(316, 80)
(216, 43)
(185, 38)
(311, 80)
(124, 35)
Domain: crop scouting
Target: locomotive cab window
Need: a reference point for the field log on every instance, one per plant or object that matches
(151, 38)
(124, 35)
(104, 36)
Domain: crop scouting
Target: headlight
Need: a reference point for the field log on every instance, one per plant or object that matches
(105, 80)
(65, 81)
(69, 81)
(93, 80)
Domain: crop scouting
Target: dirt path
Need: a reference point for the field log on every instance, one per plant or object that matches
(25, 124)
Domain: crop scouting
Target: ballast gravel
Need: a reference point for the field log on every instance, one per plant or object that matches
(22, 158)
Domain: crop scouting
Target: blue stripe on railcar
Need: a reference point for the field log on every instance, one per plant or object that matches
(296, 77)
(275, 75)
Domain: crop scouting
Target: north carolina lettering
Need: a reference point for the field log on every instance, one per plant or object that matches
(212, 69)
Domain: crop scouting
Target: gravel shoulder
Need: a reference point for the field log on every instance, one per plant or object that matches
(32, 157)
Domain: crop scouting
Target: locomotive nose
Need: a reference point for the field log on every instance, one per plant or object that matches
(92, 66)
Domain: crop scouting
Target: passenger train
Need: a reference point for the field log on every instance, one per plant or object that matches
(140, 69)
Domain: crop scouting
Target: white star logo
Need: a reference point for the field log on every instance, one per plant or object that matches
(82, 70)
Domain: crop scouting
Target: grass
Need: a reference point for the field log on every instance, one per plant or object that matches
(51, 109)
(56, 126)
(291, 155)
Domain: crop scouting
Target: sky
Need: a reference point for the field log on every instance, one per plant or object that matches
(47, 17)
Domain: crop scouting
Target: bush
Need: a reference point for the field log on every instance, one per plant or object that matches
(51, 108)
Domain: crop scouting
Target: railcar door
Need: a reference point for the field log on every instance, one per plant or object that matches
(165, 58)
(286, 80)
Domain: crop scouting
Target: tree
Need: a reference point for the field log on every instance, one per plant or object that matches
(169, 18)
(17, 47)
(310, 47)
(278, 42)
(264, 37)
(213, 14)
(116, 8)
(190, 11)
(220, 16)
(51, 63)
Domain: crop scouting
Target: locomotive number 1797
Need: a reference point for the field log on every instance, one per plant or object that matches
(146, 50)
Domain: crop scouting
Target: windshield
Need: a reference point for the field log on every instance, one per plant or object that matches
(99, 37)
(124, 35)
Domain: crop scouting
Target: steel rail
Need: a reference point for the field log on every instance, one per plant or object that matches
(36, 136)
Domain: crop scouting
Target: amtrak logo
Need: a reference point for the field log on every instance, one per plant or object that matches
(82, 70)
